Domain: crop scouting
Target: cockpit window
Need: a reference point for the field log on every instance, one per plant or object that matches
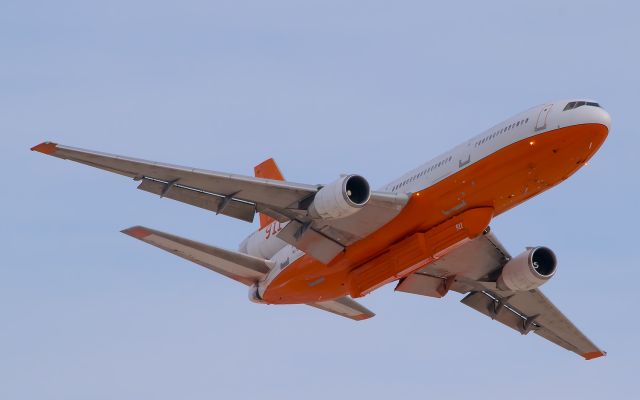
(576, 104)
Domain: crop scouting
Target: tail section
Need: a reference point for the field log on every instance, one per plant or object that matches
(240, 267)
(267, 169)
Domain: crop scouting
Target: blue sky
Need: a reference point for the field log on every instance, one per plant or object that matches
(325, 87)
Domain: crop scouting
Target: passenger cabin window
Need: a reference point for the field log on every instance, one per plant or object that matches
(576, 104)
(501, 131)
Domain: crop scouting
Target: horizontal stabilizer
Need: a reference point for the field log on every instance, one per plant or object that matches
(345, 307)
(240, 267)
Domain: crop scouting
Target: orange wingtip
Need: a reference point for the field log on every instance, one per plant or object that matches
(137, 232)
(593, 354)
(46, 148)
(360, 317)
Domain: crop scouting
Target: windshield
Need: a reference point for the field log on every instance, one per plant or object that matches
(576, 104)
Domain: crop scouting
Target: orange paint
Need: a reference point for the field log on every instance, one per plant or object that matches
(361, 317)
(267, 169)
(593, 354)
(499, 181)
(416, 251)
(137, 232)
(46, 148)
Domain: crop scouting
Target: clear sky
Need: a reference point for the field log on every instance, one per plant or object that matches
(325, 87)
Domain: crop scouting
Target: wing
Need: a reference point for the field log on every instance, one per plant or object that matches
(237, 266)
(470, 268)
(212, 190)
(242, 196)
(345, 307)
(243, 268)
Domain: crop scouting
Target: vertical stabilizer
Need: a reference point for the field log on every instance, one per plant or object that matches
(267, 169)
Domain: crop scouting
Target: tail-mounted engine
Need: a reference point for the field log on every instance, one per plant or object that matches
(529, 270)
(341, 198)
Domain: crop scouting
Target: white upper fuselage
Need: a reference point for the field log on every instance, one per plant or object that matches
(534, 121)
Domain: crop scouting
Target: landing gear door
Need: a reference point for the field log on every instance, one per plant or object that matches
(541, 123)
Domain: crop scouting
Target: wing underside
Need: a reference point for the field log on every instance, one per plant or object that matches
(240, 197)
(468, 269)
(240, 267)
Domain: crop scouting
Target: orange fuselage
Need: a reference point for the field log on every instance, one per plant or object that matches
(497, 182)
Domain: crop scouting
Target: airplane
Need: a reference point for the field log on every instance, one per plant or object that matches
(428, 230)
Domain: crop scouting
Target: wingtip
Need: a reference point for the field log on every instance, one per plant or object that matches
(362, 317)
(594, 354)
(138, 232)
(46, 148)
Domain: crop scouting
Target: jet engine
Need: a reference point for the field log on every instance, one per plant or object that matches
(264, 243)
(528, 270)
(342, 198)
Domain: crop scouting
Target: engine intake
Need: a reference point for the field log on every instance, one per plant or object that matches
(529, 270)
(341, 198)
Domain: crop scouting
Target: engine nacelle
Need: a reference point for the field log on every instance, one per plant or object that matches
(342, 198)
(254, 294)
(264, 243)
(529, 270)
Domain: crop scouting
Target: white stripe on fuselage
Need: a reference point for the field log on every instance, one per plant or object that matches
(462, 156)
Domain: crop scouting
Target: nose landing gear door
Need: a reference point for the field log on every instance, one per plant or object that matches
(541, 123)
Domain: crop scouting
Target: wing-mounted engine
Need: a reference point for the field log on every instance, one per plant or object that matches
(529, 270)
(341, 198)
(338, 215)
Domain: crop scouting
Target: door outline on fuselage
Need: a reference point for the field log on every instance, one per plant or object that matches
(462, 162)
(541, 123)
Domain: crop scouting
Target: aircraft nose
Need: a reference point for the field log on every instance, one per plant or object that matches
(602, 117)
(585, 114)
(594, 115)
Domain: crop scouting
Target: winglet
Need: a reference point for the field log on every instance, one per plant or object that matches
(138, 232)
(46, 148)
(594, 354)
